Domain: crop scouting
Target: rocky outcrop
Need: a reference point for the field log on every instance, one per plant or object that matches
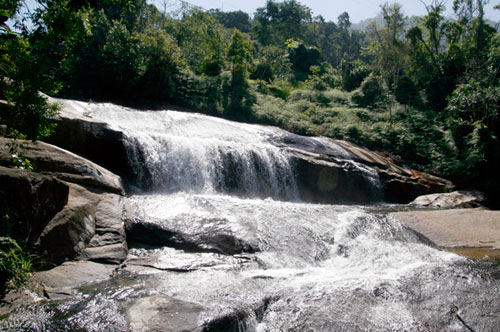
(329, 180)
(28, 201)
(214, 236)
(92, 139)
(336, 171)
(61, 281)
(461, 199)
(89, 227)
(68, 207)
(48, 159)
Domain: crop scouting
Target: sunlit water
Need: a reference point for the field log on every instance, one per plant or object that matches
(299, 267)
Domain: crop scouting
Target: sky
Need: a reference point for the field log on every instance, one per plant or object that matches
(330, 9)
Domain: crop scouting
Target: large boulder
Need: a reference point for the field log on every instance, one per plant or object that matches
(68, 207)
(337, 171)
(164, 314)
(89, 227)
(61, 282)
(92, 139)
(326, 180)
(201, 235)
(455, 200)
(471, 232)
(51, 160)
(28, 201)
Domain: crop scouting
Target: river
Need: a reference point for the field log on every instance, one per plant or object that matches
(220, 225)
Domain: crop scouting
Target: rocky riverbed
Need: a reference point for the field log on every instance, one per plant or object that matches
(215, 226)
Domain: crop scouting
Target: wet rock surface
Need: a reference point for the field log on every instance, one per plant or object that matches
(88, 227)
(64, 279)
(163, 314)
(92, 139)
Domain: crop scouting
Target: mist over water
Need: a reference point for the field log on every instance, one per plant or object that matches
(255, 257)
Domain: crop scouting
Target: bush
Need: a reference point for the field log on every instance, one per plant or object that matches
(353, 73)
(371, 93)
(15, 266)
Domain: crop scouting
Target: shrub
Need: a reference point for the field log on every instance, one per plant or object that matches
(371, 93)
(15, 265)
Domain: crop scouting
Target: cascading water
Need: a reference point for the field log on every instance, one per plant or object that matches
(174, 151)
(261, 265)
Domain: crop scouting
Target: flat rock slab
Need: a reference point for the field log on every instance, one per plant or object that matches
(458, 228)
(164, 314)
(75, 274)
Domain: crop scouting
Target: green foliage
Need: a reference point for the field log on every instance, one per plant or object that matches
(26, 110)
(279, 21)
(15, 265)
(372, 92)
(16, 150)
(233, 20)
(353, 73)
(475, 126)
(201, 39)
(277, 60)
(240, 52)
(302, 59)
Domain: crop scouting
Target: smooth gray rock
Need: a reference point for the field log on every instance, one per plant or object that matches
(70, 231)
(457, 228)
(455, 200)
(92, 139)
(327, 180)
(108, 245)
(164, 314)
(62, 281)
(337, 171)
(212, 235)
(89, 227)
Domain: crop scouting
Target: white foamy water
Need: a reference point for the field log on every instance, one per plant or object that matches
(178, 151)
(328, 267)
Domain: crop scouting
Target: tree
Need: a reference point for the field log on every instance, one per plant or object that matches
(274, 63)
(233, 20)
(279, 21)
(302, 58)
(240, 52)
(202, 41)
(388, 47)
(24, 110)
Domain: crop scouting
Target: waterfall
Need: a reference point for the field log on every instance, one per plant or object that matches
(173, 151)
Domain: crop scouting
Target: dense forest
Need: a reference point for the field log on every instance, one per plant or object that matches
(425, 89)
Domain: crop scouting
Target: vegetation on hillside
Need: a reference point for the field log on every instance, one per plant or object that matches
(424, 88)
